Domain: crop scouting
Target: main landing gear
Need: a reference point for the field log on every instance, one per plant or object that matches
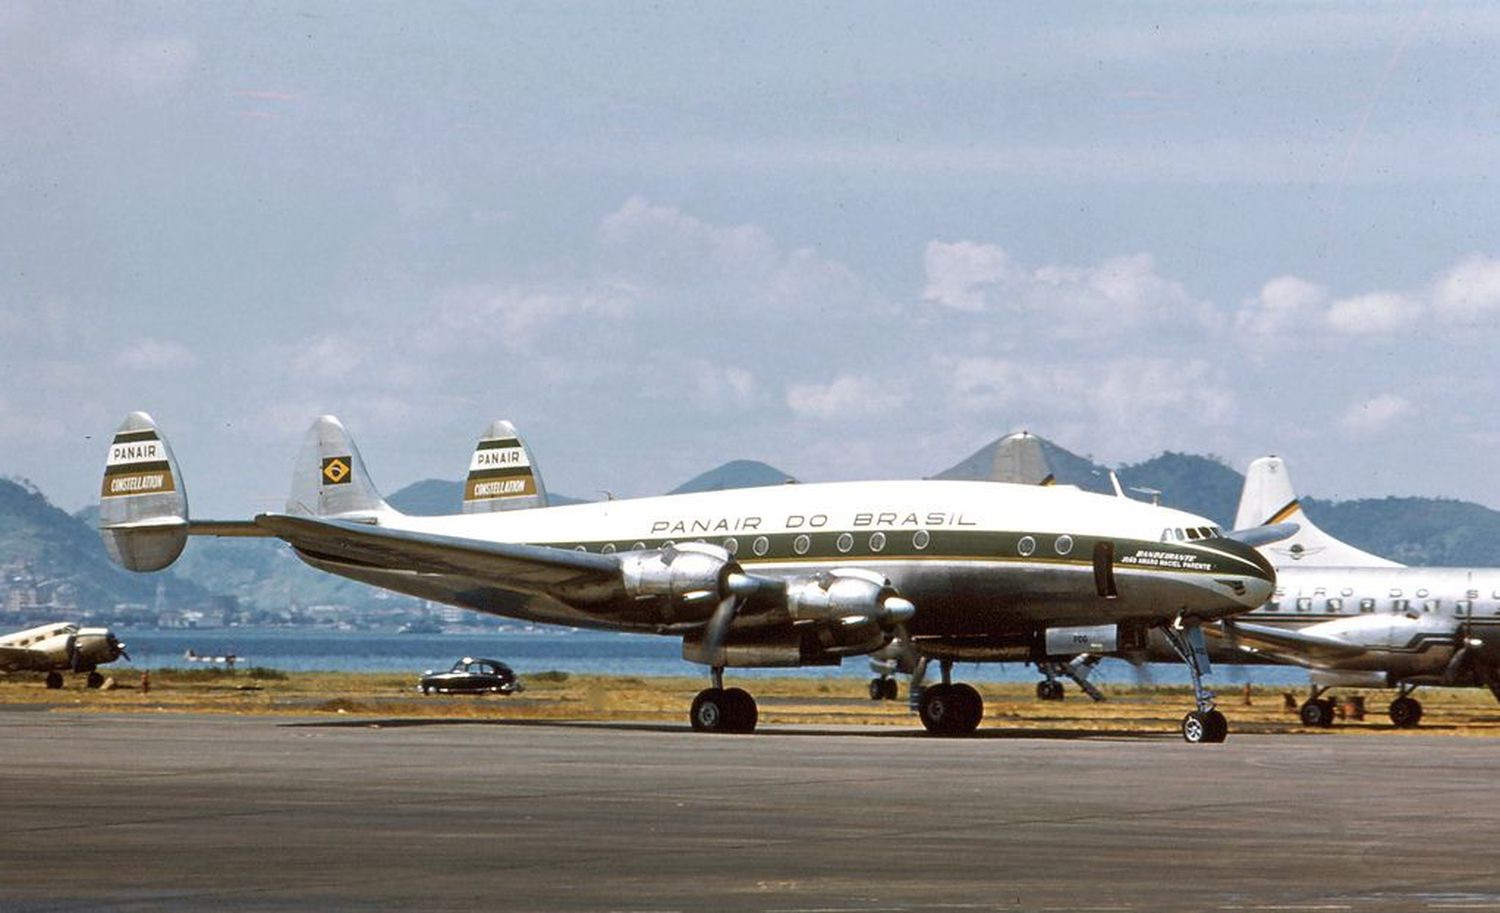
(883, 688)
(1205, 724)
(720, 709)
(949, 709)
(1405, 710)
(1078, 669)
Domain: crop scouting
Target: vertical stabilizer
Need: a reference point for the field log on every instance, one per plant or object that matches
(330, 479)
(1019, 458)
(143, 510)
(1268, 498)
(502, 474)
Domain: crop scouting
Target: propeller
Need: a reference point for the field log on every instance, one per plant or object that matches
(737, 588)
(119, 648)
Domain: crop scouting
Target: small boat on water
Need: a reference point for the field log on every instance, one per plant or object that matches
(227, 660)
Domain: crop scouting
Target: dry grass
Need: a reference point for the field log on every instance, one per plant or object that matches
(833, 701)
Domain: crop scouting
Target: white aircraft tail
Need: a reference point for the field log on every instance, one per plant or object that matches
(329, 478)
(502, 473)
(1019, 458)
(143, 509)
(1268, 499)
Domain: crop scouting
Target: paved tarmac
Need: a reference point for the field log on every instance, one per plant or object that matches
(179, 812)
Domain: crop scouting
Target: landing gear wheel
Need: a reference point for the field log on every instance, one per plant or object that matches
(950, 709)
(891, 692)
(724, 710)
(709, 713)
(54, 680)
(95, 680)
(743, 713)
(1217, 727)
(1204, 727)
(1049, 691)
(1406, 712)
(1318, 712)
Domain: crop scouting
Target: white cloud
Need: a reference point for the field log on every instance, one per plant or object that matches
(847, 396)
(1068, 301)
(1376, 313)
(958, 274)
(1283, 304)
(1373, 416)
(1470, 290)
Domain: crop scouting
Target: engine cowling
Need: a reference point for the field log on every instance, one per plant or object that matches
(854, 609)
(689, 578)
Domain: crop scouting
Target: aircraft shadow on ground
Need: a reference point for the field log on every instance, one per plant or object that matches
(1064, 734)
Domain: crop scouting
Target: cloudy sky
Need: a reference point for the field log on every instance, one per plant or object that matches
(851, 240)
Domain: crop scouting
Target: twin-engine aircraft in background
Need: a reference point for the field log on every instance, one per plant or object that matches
(1358, 620)
(60, 647)
(796, 575)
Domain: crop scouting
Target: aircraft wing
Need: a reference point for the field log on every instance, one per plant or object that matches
(18, 659)
(564, 574)
(1303, 649)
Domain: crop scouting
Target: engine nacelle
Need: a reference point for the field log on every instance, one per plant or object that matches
(854, 609)
(690, 578)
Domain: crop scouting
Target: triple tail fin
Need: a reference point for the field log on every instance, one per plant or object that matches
(1269, 499)
(329, 478)
(143, 509)
(502, 473)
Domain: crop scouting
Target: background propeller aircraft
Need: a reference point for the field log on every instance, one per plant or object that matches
(796, 575)
(60, 647)
(1359, 620)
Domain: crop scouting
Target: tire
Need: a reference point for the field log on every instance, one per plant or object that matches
(877, 689)
(709, 712)
(1049, 691)
(937, 709)
(95, 680)
(1406, 712)
(743, 712)
(1194, 728)
(54, 681)
(1316, 713)
(971, 709)
(891, 689)
(1217, 727)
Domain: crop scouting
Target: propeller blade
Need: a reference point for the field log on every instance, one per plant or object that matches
(716, 632)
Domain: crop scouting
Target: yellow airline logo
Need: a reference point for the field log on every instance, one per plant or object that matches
(336, 470)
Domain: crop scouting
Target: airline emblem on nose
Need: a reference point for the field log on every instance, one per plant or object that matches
(336, 470)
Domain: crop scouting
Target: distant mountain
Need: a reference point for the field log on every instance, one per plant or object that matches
(734, 474)
(1201, 485)
(64, 557)
(1422, 531)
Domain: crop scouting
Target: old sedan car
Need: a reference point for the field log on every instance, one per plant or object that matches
(472, 676)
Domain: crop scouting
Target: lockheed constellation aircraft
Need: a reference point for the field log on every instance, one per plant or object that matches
(795, 575)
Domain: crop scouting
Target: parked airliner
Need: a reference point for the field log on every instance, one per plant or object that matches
(793, 575)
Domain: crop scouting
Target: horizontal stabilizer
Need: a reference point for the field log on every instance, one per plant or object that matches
(143, 509)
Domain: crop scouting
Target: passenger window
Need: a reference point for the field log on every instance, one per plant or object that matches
(760, 546)
(1304, 604)
(801, 544)
(1367, 605)
(844, 543)
(1335, 604)
(877, 542)
(1400, 605)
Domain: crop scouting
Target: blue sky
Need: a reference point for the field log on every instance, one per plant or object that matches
(851, 240)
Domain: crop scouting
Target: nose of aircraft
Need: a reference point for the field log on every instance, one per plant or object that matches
(1248, 578)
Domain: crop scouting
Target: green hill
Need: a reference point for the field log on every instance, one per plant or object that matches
(65, 556)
